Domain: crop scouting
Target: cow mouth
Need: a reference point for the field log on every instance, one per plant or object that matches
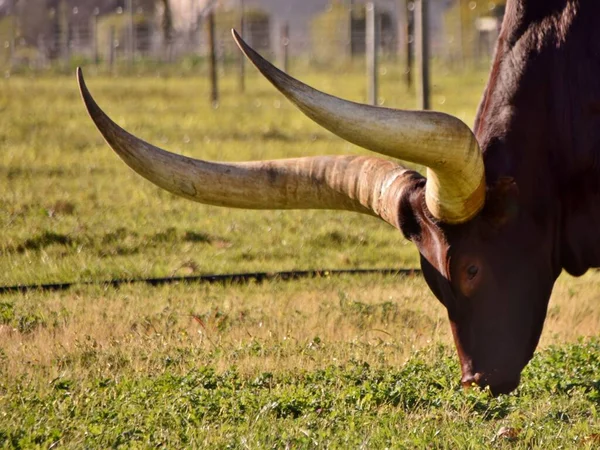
(504, 388)
(496, 387)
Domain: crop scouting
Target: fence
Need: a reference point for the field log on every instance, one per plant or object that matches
(128, 37)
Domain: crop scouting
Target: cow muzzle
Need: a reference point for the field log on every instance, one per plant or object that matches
(497, 385)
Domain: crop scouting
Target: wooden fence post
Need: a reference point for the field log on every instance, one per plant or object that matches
(212, 42)
(242, 61)
(285, 47)
(13, 35)
(465, 53)
(130, 32)
(42, 61)
(350, 29)
(111, 48)
(64, 33)
(94, 35)
(409, 42)
(422, 44)
(372, 38)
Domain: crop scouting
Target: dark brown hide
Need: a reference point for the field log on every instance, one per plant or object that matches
(539, 128)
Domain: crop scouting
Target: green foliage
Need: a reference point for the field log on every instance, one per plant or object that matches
(29, 317)
(338, 405)
(7, 313)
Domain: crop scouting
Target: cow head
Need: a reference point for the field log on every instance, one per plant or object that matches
(494, 274)
(495, 292)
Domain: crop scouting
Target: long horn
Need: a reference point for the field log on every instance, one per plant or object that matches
(455, 190)
(356, 183)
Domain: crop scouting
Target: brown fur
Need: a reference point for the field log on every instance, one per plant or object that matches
(539, 128)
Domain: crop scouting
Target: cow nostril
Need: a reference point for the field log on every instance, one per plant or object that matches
(472, 379)
(496, 387)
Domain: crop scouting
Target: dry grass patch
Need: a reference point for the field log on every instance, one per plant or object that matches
(269, 327)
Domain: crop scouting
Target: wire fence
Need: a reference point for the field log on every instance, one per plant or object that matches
(462, 34)
(225, 279)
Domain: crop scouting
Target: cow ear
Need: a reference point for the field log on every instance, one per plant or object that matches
(502, 202)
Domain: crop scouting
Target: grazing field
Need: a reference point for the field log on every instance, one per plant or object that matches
(332, 362)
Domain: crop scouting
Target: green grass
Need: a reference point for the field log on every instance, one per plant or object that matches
(341, 362)
(349, 405)
(333, 362)
(71, 210)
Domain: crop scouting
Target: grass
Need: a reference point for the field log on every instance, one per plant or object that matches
(332, 362)
(328, 362)
(70, 210)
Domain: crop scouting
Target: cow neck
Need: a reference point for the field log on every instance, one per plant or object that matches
(539, 121)
(514, 124)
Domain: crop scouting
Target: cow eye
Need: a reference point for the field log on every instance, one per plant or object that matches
(472, 272)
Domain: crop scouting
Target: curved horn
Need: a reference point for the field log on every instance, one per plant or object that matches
(455, 190)
(356, 183)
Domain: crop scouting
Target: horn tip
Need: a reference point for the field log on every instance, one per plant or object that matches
(80, 80)
(239, 41)
(93, 109)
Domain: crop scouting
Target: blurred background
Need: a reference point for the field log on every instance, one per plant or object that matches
(42, 35)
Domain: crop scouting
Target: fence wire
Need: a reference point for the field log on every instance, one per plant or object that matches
(38, 37)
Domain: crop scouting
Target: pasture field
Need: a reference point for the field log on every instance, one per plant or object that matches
(337, 362)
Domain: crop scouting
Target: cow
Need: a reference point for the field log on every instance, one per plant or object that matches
(502, 210)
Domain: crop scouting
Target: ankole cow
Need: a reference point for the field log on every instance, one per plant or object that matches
(500, 212)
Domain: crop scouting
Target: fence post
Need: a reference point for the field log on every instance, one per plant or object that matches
(371, 44)
(410, 39)
(465, 54)
(94, 35)
(242, 60)
(401, 21)
(64, 32)
(75, 39)
(285, 47)
(350, 29)
(130, 32)
(13, 35)
(111, 48)
(422, 44)
(212, 42)
(460, 50)
(42, 61)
